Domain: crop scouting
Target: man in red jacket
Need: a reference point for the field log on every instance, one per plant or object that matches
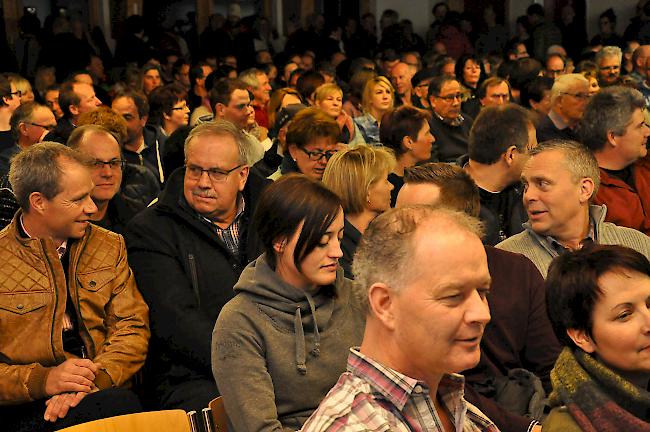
(614, 129)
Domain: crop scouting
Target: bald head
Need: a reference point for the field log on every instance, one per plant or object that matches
(401, 75)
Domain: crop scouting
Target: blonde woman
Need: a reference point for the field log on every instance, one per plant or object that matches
(378, 98)
(329, 98)
(359, 176)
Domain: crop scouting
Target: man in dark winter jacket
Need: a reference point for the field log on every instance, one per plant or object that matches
(187, 251)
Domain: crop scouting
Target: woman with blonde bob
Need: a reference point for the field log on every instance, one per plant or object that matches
(329, 98)
(378, 98)
(359, 176)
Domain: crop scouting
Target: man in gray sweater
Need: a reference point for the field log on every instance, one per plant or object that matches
(560, 178)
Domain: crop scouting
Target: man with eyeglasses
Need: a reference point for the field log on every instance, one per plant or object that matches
(615, 130)
(30, 123)
(9, 101)
(187, 251)
(569, 97)
(114, 210)
(449, 126)
(609, 61)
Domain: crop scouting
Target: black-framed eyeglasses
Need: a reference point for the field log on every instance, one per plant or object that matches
(315, 156)
(579, 95)
(182, 107)
(17, 93)
(112, 164)
(451, 97)
(216, 175)
(49, 128)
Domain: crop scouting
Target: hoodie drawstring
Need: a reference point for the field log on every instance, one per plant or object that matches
(301, 355)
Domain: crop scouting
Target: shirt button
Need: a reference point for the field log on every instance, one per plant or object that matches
(418, 389)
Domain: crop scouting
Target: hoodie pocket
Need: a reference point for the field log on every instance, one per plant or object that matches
(194, 277)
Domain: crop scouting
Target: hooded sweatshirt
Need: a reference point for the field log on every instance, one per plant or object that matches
(277, 350)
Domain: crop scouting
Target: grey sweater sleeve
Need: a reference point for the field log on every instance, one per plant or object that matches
(239, 368)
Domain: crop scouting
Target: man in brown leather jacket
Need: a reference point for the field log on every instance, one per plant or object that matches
(73, 325)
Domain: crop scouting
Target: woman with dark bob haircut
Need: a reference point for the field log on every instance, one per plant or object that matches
(598, 300)
(280, 345)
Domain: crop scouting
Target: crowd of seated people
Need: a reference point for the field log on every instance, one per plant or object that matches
(349, 228)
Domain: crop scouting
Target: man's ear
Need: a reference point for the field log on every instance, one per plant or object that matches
(611, 139)
(381, 302)
(510, 155)
(586, 189)
(74, 110)
(22, 129)
(219, 109)
(143, 120)
(37, 202)
(279, 245)
(582, 340)
(407, 142)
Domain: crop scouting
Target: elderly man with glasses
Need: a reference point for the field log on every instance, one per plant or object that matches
(187, 251)
(569, 97)
(448, 125)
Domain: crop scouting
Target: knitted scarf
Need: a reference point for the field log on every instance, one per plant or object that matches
(597, 397)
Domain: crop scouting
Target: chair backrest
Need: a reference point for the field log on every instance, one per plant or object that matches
(153, 421)
(219, 416)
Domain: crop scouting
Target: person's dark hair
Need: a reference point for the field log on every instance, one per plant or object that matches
(22, 114)
(150, 66)
(490, 82)
(162, 101)
(5, 89)
(457, 189)
(68, 97)
(311, 123)
(610, 15)
(572, 284)
(73, 75)
(178, 65)
(535, 90)
(535, 9)
(523, 71)
(223, 89)
(308, 83)
(441, 61)
(460, 66)
(285, 204)
(196, 72)
(138, 98)
(495, 129)
(437, 5)
(404, 121)
(610, 110)
(436, 84)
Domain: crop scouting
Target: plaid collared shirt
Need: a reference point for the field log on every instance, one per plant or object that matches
(372, 397)
(230, 234)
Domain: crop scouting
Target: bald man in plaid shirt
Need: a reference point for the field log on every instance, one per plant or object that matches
(424, 324)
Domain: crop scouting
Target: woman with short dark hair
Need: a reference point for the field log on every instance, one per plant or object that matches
(598, 300)
(405, 130)
(280, 345)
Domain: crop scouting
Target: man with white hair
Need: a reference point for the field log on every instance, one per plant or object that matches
(609, 60)
(569, 97)
(422, 326)
(187, 251)
(259, 86)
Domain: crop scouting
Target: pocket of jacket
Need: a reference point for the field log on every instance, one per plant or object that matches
(95, 280)
(22, 303)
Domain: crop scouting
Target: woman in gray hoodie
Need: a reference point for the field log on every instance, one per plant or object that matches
(280, 345)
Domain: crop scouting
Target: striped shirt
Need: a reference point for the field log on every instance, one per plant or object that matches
(372, 397)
